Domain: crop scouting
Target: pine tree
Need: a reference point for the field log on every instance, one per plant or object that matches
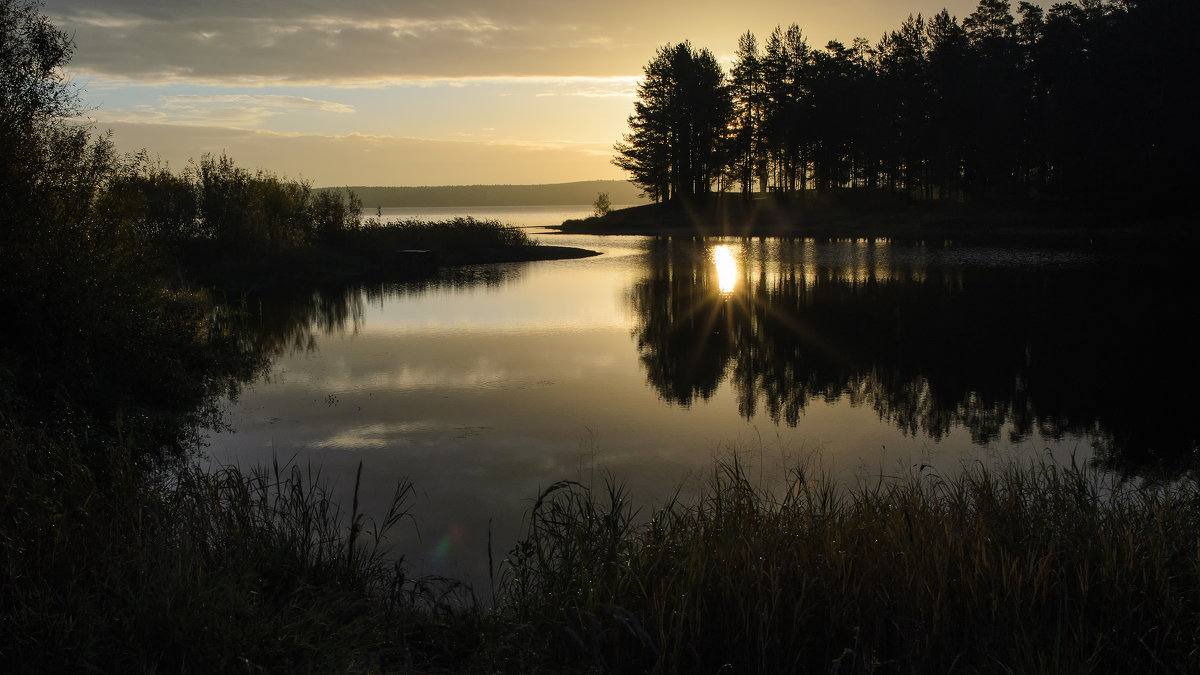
(679, 126)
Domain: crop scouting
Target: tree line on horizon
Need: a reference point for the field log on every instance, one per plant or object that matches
(1086, 100)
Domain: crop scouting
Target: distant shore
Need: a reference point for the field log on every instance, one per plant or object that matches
(459, 196)
(857, 216)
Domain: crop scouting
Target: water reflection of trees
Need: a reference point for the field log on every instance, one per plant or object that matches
(279, 324)
(994, 350)
(270, 325)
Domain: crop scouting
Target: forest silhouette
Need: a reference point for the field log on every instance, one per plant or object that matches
(1084, 101)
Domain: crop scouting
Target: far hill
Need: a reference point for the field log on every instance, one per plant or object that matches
(553, 194)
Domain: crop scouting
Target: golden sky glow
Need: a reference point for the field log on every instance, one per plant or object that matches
(376, 92)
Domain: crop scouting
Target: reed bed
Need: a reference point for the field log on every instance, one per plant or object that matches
(202, 571)
(453, 234)
(1041, 568)
(373, 250)
(1037, 568)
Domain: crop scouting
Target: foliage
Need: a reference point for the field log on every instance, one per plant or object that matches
(602, 205)
(33, 88)
(748, 93)
(116, 554)
(678, 126)
(1082, 101)
(98, 350)
(378, 248)
(239, 213)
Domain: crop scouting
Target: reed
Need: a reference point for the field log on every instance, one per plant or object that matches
(195, 570)
(459, 237)
(1016, 568)
(1041, 568)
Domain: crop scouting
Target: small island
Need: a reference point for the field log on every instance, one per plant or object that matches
(856, 213)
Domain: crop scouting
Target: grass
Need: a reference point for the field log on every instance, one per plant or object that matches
(190, 570)
(455, 241)
(455, 233)
(1037, 568)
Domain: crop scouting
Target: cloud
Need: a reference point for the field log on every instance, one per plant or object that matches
(316, 41)
(361, 159)
(273, 101)
(271, 41)
(238, 111)
(183, 77)
(592, 93)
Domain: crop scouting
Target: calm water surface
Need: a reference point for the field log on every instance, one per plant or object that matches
(865, 357)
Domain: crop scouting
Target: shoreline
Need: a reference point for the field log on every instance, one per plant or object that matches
(334, 267)
(867, 216)
(537, 253)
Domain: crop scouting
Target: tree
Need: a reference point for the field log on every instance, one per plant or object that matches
(602, 205)
(948, 120)
(47, 171)
(71, 265)
(903, 65)
(786, 68)
(995, 96)
(747, 159)
(33, 88)
(1087, 100)
(35, 98)
(840, 90)
(679, 124)
(992, 20)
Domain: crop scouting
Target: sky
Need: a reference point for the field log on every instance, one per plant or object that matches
(407, 92)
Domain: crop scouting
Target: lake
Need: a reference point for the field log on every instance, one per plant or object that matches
(863, 358)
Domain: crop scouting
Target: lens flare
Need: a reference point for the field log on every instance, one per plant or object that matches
(442, 548)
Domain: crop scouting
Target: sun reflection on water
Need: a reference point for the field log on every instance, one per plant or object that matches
(727, 269)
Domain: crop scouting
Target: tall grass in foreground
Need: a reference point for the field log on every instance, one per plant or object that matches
(1038, 569)
(1020, 569)
(196, 571)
